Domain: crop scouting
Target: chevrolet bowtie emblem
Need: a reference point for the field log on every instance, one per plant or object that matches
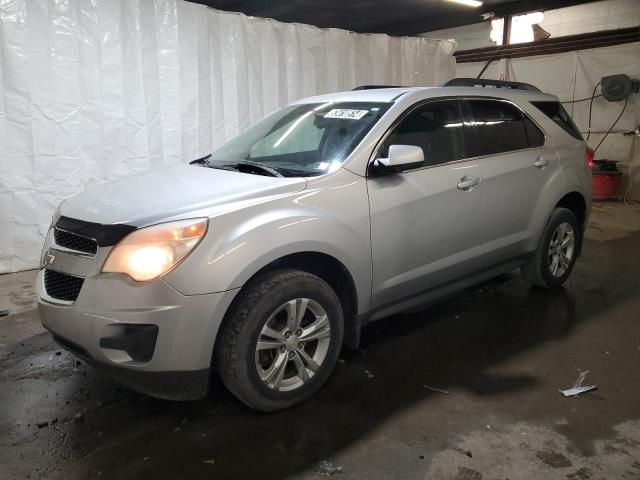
(48, 259)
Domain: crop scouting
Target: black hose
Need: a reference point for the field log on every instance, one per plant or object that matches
(626, 101)
(582, 99)
(593, 95)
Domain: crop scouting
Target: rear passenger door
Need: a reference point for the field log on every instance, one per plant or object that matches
(517, 162)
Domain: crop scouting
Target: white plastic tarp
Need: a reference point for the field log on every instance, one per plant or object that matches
(93, 90)
(572, 76)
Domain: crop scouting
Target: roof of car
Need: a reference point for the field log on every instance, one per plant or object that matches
(392, 94)
(372, 95)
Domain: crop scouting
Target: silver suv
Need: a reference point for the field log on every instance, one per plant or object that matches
(261, 260)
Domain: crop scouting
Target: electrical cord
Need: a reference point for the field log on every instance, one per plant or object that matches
(626, 101)
(582, 99)
(593, 95)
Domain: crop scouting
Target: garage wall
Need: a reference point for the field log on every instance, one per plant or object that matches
(572, 76)
(574, 20)
(592, 17)
(468, 37)
(93, 90)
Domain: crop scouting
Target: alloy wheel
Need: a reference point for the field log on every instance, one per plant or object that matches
(561, 249)
(292, 344)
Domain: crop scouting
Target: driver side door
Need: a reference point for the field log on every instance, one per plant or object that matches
(427, 220)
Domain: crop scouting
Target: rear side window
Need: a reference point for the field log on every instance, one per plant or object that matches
(556, 112)
(436, 127)
(496, 127)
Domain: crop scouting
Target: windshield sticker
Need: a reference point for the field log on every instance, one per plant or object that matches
(346, 113)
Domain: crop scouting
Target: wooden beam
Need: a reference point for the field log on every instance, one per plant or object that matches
(551, 45)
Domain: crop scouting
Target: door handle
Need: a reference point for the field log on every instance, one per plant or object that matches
(467, 182)
(541, 162)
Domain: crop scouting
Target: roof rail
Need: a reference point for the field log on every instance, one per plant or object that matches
(481, 82)
(373, 87)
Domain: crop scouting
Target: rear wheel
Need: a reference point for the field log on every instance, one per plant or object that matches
(281, 341)
(556, 254)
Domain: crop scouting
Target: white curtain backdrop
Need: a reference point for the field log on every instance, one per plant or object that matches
(93, 90)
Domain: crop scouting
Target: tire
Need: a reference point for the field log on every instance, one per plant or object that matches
(255, 377)
(543, 270)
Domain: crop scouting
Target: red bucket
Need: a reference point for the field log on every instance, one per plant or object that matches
(606, 179)
(605, 185)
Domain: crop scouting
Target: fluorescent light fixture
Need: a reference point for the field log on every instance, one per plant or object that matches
(468, 3)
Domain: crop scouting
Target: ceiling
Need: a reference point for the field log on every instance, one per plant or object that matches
(394, 17)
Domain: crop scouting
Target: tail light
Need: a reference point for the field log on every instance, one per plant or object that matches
(590, 154)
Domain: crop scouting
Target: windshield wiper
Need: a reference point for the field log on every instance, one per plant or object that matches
(202, 160)
(271, 171)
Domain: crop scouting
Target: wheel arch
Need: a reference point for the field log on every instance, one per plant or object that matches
(575, 202)
(324, 266)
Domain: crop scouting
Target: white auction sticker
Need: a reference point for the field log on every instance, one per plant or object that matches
(346, 113)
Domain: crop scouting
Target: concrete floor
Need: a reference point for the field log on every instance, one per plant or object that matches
(501, 351)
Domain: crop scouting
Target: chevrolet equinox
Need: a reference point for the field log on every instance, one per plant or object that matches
(261, 260)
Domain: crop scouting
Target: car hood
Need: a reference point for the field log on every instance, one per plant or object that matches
(162, 194)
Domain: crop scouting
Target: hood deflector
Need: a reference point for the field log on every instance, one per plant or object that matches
(105, 235)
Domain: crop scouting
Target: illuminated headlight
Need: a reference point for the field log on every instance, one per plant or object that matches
(151, 252)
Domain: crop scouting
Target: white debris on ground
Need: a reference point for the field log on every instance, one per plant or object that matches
(577, 388)
(434, 389)
(328, 468)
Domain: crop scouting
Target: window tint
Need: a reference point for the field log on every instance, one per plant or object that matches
(556, 112)
(496, 127)
(436, 127)
(534, 134)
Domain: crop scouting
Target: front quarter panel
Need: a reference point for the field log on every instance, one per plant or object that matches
(331, 216)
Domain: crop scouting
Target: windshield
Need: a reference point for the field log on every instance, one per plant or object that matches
(302, 140)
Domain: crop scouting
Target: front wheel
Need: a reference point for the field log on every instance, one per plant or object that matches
(556, 254)
(281, 340)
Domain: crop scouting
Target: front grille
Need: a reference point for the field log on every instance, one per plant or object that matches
(74, 242)
(61, 286)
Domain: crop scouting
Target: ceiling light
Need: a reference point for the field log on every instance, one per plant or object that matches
(468, 3)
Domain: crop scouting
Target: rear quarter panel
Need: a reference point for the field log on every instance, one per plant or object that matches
(577, 174)
(574, 172)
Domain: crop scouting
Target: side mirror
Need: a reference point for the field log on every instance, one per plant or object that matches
(402, 155)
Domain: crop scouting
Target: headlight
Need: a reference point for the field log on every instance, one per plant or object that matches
(152, 251)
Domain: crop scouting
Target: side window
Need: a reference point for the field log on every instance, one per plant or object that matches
(436, 127)
(556, 112)
(534, 134)
(495, 127)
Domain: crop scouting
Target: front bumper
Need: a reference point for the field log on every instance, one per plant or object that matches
(176, 359)
(178, 385)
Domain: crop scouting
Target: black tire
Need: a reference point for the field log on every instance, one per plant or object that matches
(537, 270)
(235, 352)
